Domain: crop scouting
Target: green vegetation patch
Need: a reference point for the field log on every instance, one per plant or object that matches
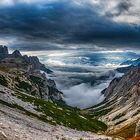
(100, 109)
(36, 80)
(102, 112)
(57, 114)
(24, 85)
(99, 113)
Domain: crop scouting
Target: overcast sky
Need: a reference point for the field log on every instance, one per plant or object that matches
(64, 24)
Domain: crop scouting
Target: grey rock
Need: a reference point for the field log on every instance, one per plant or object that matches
(126, 87)
(3, 136)
(3, 51)
(28, 78)
(16, 53)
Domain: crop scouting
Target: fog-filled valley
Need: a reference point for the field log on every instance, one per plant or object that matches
(83, 75)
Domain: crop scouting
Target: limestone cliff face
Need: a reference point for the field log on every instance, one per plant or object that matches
(121, 108)
(123, 98)
(16, 60)
(23, 73)
(127, 87)
(3, 51)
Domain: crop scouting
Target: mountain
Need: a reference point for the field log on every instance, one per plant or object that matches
(132, 62)
(30, 101)
(23, 73)
(32, 106)
(129, 65)
(121, 108)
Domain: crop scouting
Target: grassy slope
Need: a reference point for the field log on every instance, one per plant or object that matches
(54, 113)
(60, 114)
(57, 114)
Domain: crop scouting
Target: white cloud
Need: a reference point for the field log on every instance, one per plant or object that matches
(12, 2)
(6, 2)
(84, 96)
(130, 15)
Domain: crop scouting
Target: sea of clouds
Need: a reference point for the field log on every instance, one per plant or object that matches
(82, 76)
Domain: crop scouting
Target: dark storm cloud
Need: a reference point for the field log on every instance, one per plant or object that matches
(62, 22)
(124, 6)
(120, 8)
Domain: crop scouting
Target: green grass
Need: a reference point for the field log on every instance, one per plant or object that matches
(56, 112)
(99, 110)
(102, 112)
(98, 113)
(60, 115)
(36, 80)
(24, 85)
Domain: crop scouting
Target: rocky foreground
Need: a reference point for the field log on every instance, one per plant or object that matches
(16, 126)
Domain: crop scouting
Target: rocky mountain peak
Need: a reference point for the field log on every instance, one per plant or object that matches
(3, 51)
(29, 63)
(16, 53)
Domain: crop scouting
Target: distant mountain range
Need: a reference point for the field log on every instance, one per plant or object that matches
(132, 62)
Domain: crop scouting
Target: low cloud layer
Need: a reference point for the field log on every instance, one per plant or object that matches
(84, 96)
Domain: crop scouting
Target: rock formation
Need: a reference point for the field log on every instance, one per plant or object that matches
(16, 53)
(123, 99)
(3, 51)
(121, 107)
(30, 63)
(23, 72)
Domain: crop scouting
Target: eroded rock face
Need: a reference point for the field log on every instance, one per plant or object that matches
(121, 106)
(3, 51)
(16, 60)
(23, 72)
(16, 53)
(125, 90)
